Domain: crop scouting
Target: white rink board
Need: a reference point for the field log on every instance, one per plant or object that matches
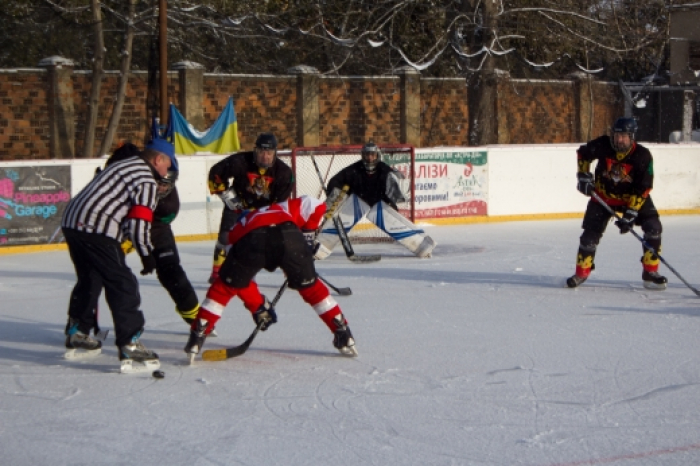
(522, 180)
(541, 179)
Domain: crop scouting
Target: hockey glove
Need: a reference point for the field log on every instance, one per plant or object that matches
(627, 221)
(127, 246)
(149, 264)
(230, 198)
(265, 313)
(585, 183)
(311, 241)
(217, 186)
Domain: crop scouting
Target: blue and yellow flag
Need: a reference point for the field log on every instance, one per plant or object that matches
(220, 138)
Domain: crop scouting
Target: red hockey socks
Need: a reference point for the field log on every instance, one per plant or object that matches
(323, 303)
(251, 297)
(210, 318)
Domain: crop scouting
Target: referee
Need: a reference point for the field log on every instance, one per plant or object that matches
(117, 203)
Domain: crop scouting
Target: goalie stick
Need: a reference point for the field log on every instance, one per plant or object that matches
(646, 245)
(344, 240)
(234, 351)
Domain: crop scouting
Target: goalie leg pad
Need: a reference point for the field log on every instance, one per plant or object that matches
(401, 229)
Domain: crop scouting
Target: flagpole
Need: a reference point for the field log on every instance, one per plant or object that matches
(163, 52)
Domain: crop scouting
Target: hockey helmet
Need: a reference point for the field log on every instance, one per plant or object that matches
(623, 125)
(167, 183)
(370, 156)
(265, 142)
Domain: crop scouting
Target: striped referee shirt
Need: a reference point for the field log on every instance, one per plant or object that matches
(119, 201)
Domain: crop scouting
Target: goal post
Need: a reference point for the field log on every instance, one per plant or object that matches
(332, 159)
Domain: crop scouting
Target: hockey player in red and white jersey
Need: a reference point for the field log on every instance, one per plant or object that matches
(280, 235)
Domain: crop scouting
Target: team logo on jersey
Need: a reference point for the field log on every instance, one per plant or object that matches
(618, 172)
(259, 185)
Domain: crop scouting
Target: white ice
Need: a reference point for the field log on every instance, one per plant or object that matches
(478, 356)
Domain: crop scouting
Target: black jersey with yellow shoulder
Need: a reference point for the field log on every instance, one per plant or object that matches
(255, 187)
(621, 179)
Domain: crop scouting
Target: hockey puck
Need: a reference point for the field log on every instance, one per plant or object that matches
(158, 374)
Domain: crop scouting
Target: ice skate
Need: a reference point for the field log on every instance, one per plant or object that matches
(342, 338)
(575, 280)
(654, 281)
(135, 352)
(425, 250)
(196, 340)
(80, 345)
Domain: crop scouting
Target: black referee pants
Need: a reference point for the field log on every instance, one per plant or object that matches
(100, 263)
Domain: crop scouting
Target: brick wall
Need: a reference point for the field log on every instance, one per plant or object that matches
(539, 111)
(352, 110)
(134, 124)
(444, 113)
(24, 118)
(262, 104)
(356, 110)
(608, 104)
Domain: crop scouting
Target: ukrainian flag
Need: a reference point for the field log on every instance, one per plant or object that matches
(220, 138)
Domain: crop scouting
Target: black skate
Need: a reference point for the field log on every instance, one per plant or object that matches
(135, 351)
(196, 341)
(654, 281)
(80, 345)
(575, 280)
(342, 338)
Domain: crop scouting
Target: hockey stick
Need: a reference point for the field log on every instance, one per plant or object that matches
(234, 351)
(342, 234)
(646, 245)
(340, 291)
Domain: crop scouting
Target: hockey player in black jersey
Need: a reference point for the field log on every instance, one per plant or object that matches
(623, 179)
(259, 179)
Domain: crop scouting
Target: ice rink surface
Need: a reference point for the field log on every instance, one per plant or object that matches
(477, 356)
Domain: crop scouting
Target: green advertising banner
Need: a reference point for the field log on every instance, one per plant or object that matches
(449, 183)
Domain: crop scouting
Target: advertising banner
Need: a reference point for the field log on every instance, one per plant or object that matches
(449, 182)
(32, 201)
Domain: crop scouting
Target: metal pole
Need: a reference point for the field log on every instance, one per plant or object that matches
(163, 48)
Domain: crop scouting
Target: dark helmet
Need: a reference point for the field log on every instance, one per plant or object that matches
(624, 125)
(266, 141)
(367, 149)
(167, 183)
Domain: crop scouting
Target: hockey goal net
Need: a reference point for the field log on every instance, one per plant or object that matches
(331, 160)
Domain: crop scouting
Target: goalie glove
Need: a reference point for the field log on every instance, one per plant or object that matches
(230, 198)
(311, 241)
(393, 188)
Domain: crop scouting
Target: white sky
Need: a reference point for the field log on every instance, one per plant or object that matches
(478, 356)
